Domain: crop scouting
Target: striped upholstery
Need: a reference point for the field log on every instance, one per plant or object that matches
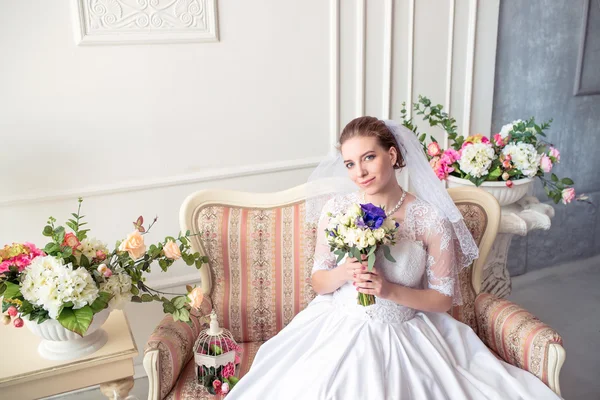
(476, 221)
(175, 343)
(517, 336)
(260, 262)
(187, 386)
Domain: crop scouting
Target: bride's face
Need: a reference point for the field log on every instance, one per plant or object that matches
(369, 165)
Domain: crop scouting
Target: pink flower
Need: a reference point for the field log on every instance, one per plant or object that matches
(554, 153)
(546, 163)
(71, 241)
(568, 195)
(465, 144)
(441, 168)
(12, 311)
(498, 140)
(228, 370)
(100, 255)
(196, 296)
(484, 139)
(433, 149)
(104, 270)
(450, 156)
(217, 386)
(509, 184)
(225, 388)
(18, 322)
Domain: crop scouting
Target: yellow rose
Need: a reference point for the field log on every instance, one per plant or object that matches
(172, 250)
(196, 296)
(134, 245)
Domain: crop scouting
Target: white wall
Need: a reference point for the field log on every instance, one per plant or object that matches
(136, 128)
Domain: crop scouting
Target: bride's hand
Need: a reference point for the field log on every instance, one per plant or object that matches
(372, 283)
(351, 268)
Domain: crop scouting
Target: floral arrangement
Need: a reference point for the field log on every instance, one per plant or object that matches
(220, 380)
(75, 277)
(359, 232)
(518, 151)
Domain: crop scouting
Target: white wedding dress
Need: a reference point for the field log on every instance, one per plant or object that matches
(337, 349)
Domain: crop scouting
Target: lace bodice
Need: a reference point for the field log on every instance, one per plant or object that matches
(423, 254)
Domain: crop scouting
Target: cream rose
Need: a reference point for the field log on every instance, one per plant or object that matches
(134, 245)
(172, 250)
(196, 296)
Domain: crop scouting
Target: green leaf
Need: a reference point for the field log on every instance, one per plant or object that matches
(78, 320)
(12, 291)
(554, 178)
(567, 181)
(136, 299)
(146, 298)
(66, 252)
(371, 261)
(101, 302)
(495, 174)
(199, 263)
(233, 380)
(134, 290)
(179, 301)
(51, 248)
(60, 233)
(47, 231)
(184, 314)
(168, 307)
(2, 289)
(388, 254)
(340, 257)
(84, 261)
(5, 306)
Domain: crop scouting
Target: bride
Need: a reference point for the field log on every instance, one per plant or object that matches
(405, 346)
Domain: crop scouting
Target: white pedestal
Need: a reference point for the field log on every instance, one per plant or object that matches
(517, 219)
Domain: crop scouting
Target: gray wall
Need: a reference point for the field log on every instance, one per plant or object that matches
(536, 64)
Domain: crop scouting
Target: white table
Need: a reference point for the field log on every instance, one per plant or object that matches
(517, 219)
(25, 375)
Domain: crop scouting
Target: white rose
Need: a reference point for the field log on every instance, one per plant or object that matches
(476, 159)
(379, 234)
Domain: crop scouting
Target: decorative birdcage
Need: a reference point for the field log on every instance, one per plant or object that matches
(214, 354)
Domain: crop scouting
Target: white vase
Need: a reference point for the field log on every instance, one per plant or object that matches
(59, 343)
(504, 194)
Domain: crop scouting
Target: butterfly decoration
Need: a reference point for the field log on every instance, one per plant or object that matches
(138, 224)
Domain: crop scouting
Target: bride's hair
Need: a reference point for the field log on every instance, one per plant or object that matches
(373, 127)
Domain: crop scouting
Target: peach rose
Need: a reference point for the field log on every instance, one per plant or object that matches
(196, 296)
(71, 241)
(172, 250)
(433, 149)
(568, 195)
(546, 164)
(134, 245)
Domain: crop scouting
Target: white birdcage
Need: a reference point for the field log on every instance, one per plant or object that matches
(214, 348)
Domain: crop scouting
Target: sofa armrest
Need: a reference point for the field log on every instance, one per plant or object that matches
(169, 348)
(520, 338)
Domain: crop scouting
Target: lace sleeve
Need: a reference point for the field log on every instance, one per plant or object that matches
(324, 259)
(436, 232)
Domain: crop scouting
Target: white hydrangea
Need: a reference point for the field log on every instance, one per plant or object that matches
(119, 286)
(476, 159)
(89, 247)
(524, 156)
(49, 283)
(508, 127)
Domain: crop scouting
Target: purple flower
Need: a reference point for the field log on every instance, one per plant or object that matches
(374, 216)
(360, 222)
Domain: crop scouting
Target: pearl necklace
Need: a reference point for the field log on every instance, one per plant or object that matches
(398, 205)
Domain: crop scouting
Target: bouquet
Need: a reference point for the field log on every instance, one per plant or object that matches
(75, 277)
(518, 151)
(360, 231)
